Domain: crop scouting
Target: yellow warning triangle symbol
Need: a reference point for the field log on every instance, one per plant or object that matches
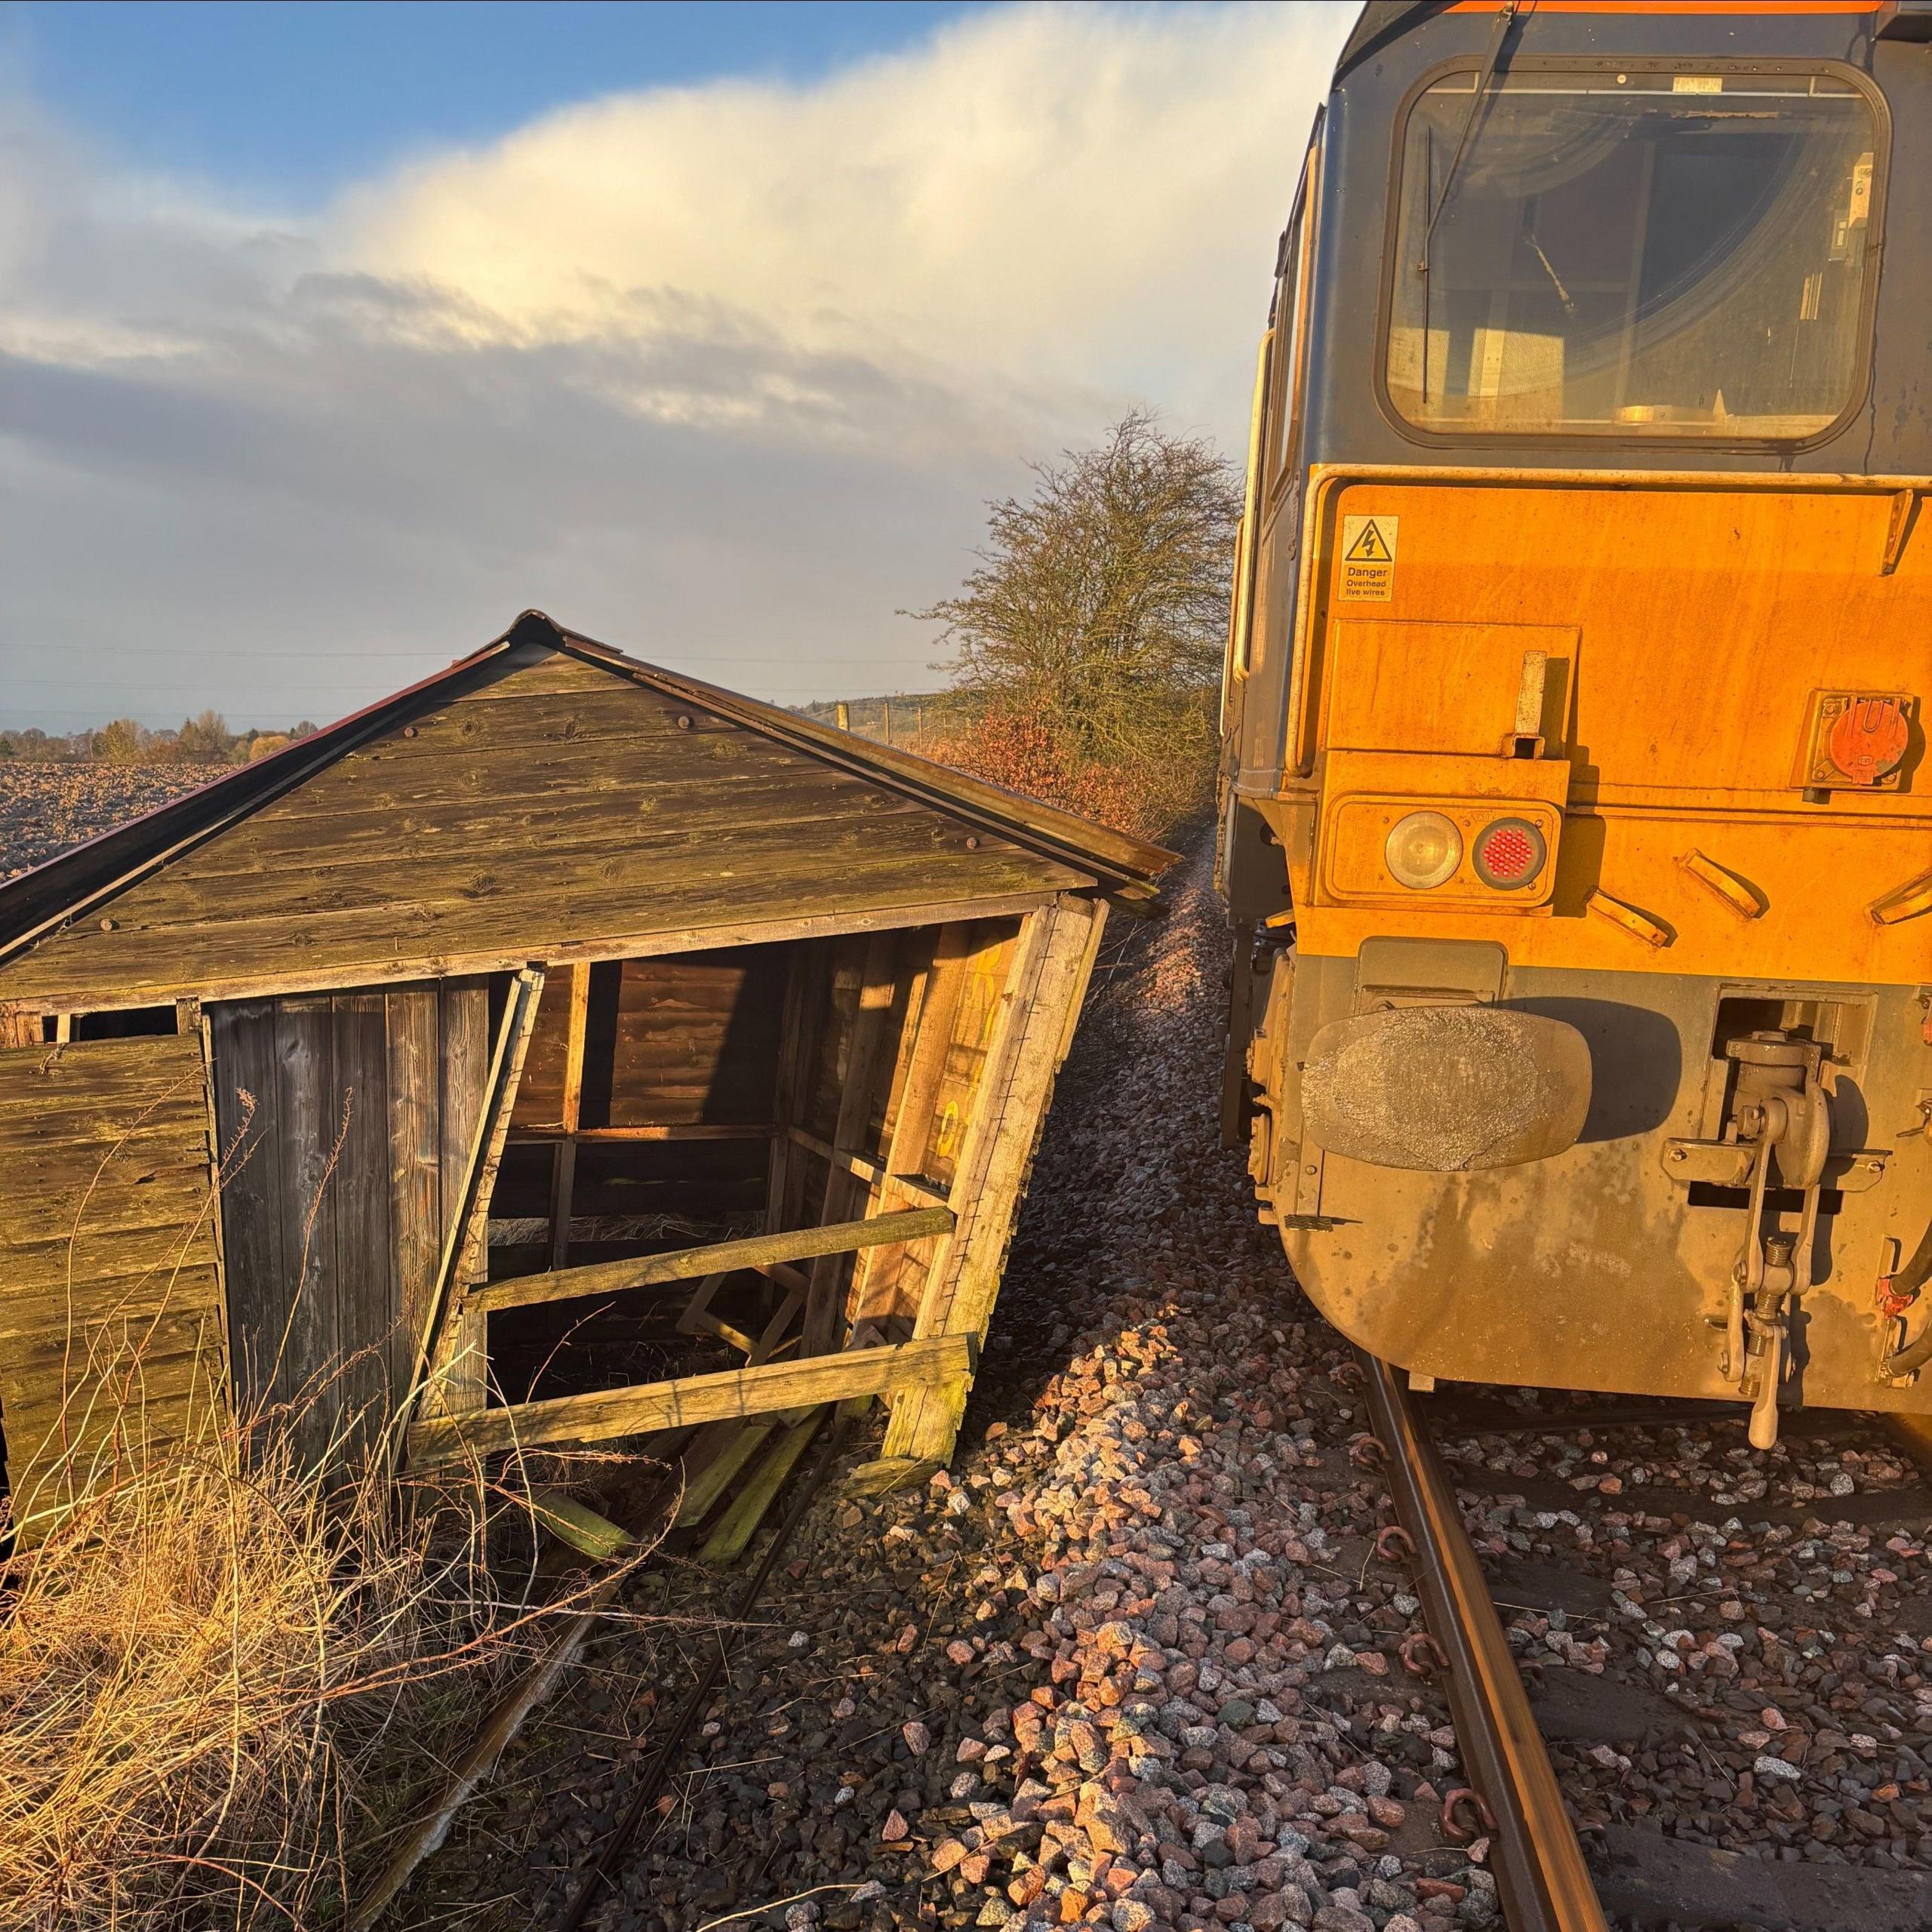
(1370, 546)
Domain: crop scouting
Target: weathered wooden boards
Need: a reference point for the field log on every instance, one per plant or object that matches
(110, 1302)
(947, 1061)
(1029, 1039)
(812, 1244)
(604, 1415)
(352, 1116)
(562, 812)
(791, 981)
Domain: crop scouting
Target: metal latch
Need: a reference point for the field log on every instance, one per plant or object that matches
(1729, 1163)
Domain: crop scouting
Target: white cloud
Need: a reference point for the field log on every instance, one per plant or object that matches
(1065, 195)
(723, 369)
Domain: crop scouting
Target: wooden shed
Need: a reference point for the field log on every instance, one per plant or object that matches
(560, 1050)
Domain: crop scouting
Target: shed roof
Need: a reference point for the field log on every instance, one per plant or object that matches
(546, 797)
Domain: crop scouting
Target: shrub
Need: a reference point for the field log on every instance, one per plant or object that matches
(1089, 640)
(123, 742)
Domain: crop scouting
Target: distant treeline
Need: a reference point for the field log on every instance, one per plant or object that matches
(203, 740)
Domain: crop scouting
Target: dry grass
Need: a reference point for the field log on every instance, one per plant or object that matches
(224, 1682)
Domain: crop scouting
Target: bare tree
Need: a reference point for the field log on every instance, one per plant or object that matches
(1101, 604)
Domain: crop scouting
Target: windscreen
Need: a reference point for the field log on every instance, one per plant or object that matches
(1632, 254)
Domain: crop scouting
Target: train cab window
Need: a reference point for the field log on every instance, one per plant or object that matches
(1633, 253)
(1284, 398)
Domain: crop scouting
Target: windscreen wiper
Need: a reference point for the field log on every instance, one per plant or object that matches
(1505, 18)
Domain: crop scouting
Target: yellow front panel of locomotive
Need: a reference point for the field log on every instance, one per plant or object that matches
(1681, 629)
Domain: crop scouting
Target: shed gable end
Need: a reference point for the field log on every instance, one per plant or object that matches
(562, 809)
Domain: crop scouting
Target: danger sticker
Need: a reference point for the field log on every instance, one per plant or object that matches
(1368, 558)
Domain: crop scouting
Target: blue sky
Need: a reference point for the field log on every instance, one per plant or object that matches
(332, 337)
(294, 100)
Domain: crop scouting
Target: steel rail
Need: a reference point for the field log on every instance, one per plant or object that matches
(1542, 1882)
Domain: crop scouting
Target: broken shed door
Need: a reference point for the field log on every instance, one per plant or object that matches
(110, 1307)
(355, 1113)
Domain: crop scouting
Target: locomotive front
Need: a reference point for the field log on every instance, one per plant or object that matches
(1576, 829)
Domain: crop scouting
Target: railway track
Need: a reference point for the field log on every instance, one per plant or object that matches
(1545, 1881)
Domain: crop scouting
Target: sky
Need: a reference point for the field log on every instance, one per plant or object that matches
(331, 337)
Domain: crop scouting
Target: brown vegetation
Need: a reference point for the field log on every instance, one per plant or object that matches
(226, 1681)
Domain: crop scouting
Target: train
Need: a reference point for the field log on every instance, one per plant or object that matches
(1576, 823)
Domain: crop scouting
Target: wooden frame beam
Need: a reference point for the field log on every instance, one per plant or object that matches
(873, 1173)
(878, 988)
(686, 1264)
(450, 1329)
(808, 989)
(351, 975)
(563, 1162)
(606, 1414)
(545, 1136)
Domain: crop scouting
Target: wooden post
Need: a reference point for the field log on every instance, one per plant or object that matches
(1044, 986)
(844, 1195)
(923, 1049)
(444, 1383)
(563, 1170)
(806, 988)
(885, 719)
(844, 715)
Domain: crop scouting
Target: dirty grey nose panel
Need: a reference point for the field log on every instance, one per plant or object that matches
(1446, 1088)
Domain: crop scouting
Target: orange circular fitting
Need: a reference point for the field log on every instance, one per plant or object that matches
(1868, 739)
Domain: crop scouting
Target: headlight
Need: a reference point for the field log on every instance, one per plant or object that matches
(1508, 853)
(1424, 851)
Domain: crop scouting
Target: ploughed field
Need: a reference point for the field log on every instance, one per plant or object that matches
(1133, 1661)
(45, 807)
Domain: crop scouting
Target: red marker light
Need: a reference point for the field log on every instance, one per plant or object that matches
(1868, 738)
(1508, 853)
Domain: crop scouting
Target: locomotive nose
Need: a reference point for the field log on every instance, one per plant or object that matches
(1446, 1088)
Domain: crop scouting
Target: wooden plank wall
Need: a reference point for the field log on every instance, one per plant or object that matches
(684, 1039)
(355, 1113)
(562, 806)
(110, 1305)
(1031, 1027)
(885, 1038)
